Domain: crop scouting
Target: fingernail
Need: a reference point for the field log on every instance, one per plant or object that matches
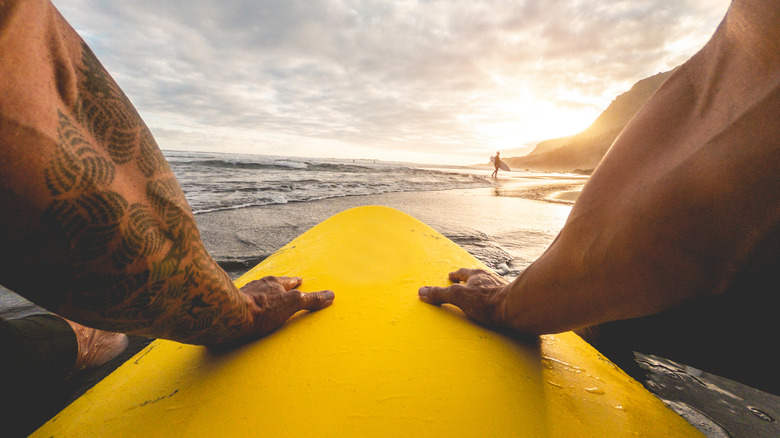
(423, 292)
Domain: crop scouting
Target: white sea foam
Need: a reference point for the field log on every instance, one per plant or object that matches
(213, 182)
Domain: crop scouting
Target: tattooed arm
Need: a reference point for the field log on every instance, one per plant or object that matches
(93, 224)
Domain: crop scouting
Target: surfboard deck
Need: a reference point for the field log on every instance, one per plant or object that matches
(378, 362)
(501, 165)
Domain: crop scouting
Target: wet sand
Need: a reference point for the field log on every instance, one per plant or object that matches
(564, 192)
(511, 223)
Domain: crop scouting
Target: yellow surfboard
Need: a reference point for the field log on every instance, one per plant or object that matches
(377, 363)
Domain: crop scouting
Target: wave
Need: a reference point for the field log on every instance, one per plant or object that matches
(282, 200)
(254, 163)
(214, 182)
(236, 164)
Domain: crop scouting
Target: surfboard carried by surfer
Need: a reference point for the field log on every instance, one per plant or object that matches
(498, 164)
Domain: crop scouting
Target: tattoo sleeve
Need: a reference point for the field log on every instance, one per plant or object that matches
(141, 263)
(124, 241)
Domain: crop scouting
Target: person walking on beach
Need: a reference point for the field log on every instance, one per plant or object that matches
(496, 164)
(673, 247)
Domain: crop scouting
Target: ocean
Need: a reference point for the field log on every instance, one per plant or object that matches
(278, 198)
(216, 181)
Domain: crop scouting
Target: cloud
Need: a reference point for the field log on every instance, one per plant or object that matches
(397, 76)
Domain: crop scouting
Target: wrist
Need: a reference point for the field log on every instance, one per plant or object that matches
(515, 309)
(252, 317)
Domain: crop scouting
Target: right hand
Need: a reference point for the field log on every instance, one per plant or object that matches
(480, 296)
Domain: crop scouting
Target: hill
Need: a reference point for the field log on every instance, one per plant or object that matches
(583, 151)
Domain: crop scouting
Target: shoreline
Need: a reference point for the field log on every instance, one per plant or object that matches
(559, 193)
(545, 187)
(507, 226)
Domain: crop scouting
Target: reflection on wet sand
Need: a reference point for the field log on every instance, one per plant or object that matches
(559, 189)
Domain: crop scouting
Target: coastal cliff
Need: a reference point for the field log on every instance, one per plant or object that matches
(583, 151)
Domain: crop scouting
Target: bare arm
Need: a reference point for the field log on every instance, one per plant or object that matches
(88, 199)
(687, 197)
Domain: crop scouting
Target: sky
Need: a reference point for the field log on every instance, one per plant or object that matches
(427, 81)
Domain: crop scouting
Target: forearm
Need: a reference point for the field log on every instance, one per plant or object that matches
(177, 292)
(575, 285)
(106, 253)
(103, 252)
(684, 200)
(88, 197)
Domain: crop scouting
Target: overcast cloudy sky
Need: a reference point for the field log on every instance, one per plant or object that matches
(448, 81)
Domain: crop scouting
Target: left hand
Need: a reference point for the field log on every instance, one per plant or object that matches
(277, 300)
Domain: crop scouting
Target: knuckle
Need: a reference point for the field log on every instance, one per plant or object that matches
(292, 298)
(261, 301)
(252, 283)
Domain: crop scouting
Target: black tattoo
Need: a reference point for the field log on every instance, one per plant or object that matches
(197, 303)
(133, 263)
(142, 237)
(99, 291)
(150, 159)
(76, 165)
(166, 201)
(90, 222)
(113, 120)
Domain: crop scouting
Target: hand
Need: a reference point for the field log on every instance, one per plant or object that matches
(277, 300)
(480, 297)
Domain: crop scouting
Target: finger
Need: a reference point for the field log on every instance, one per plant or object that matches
(318, 300)
(438, 295)
(283, 305)
(289, 283)
(463, 274)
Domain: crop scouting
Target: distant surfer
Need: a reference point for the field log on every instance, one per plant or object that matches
(496, 163)
(673, 247)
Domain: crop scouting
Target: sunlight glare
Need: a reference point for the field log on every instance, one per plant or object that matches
(536, 120)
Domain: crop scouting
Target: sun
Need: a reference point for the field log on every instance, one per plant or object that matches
(523, 124)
